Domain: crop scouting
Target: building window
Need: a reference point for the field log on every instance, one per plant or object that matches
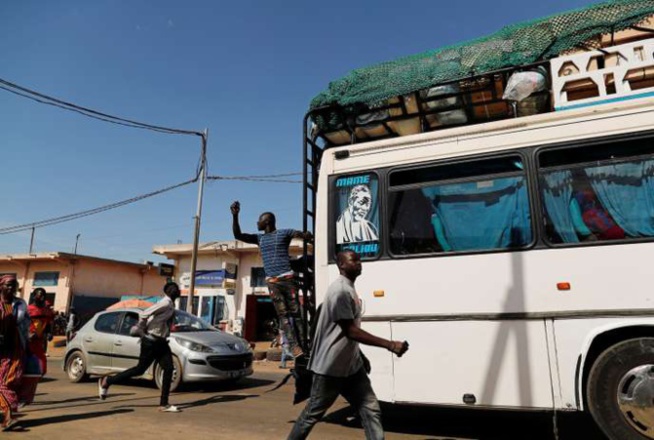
(257, 277)
(46, 278)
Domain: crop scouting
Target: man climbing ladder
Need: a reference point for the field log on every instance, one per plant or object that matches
(283, 284)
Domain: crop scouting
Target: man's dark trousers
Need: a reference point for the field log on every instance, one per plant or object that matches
(152, 349)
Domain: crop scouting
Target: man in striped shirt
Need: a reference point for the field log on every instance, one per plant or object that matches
(282, 282)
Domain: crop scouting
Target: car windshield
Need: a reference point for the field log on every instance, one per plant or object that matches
(185, 322)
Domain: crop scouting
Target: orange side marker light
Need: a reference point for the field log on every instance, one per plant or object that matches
(563, 286)
(378, 293)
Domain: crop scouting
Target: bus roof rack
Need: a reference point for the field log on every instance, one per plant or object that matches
(464, 83)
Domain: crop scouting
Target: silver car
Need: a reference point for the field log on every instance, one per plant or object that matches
(200, 352)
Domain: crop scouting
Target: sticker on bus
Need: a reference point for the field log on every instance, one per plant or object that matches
(357, 214)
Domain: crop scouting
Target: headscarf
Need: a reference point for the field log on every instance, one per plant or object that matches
(20, 312)
(7, 277)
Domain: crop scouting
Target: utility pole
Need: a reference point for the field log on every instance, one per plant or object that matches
(76, 241)
(198, 217)
(32, 240)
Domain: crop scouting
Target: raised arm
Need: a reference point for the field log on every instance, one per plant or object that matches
(357, 334)
(236, 227)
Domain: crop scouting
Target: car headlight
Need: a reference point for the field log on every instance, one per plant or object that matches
(193, 346)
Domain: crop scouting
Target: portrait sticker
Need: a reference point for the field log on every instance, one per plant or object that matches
(357, 214)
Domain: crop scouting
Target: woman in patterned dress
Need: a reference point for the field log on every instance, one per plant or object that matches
(14, 328)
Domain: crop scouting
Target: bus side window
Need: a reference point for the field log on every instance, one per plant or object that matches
(469, 206)
(411, 225)
(598, 193)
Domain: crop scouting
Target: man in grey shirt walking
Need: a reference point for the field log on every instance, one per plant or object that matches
(153, 329)
(336, 360)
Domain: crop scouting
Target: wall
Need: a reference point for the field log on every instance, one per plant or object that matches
(25, 273)
(87, 277)
(107, 279)
(211, 262)
(245, 261)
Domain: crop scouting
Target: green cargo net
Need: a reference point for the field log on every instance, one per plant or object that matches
(517, 45)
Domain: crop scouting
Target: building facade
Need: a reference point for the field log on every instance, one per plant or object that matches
(85, 282)
(230, 287)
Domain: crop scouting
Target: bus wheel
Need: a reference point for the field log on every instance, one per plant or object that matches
(620, 390)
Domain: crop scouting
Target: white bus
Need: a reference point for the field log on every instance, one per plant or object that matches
(516, 257)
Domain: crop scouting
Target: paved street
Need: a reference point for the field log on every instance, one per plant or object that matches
(245, 411)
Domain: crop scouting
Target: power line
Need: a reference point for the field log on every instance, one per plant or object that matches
(271, 178)
(49, 100)
(88, 212)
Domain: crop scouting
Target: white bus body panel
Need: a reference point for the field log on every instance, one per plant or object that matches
(510, 363)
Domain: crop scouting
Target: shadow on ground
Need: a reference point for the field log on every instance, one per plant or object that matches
(476, 424)
(215, 387)
(28, 422)
(47, 379)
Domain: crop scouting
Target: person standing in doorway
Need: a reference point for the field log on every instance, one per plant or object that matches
(338, 366)
(282, 282)
(153, 328)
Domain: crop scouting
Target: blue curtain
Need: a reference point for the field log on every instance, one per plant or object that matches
(557, 195)
(626, 191)
(492, 214)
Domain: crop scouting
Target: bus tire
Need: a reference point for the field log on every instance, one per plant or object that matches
(620, 390)
(177, 375)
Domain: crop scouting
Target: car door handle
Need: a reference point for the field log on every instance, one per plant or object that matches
(118, 343)
(88, 339)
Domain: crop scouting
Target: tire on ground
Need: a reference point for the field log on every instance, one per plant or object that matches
(603, 383)
(76, 367)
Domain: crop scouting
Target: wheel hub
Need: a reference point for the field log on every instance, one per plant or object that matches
(76, 366)
(636, 399)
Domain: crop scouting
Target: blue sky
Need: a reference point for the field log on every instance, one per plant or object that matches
(245, 70)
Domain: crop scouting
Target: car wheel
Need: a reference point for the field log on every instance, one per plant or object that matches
(76, 367)
(620, 390)
(177, 375)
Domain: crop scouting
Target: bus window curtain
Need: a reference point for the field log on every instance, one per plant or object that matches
(492, 214)
(557, 198)
(626, 191)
